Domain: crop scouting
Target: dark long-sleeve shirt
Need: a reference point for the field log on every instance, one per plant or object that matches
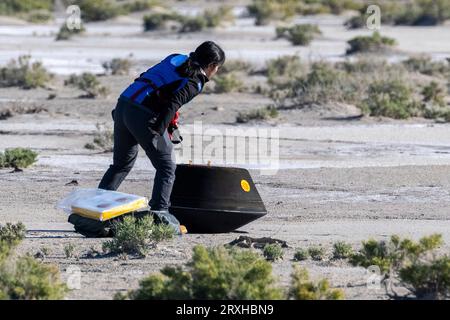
(169, 99)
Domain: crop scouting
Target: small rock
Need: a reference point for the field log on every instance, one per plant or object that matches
(257, 243)
(72, 183)
(39, 255)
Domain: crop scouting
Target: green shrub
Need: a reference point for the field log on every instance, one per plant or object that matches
(321, 85)
(440, 9)
(339, 6)
(9, 7)
(135, 236)
(103, 140)
(193, 24)
(236, 66)
(301, 254)
(434, 12)
(212, 18)
(414, 264)
(107, 9)
(65, 33)
(222, 274)
(283, 70)
(17, 158)
(390, 98)
(10, 236)
(370, 44)
(437, 113)
(389, 11)
(215, 18)
(388, 255)
(39, 16)
(308, 7)
(445, 115)
(18, 109)
(356, 22)
(299, 34)
(342, 250)
(273, 252)
(156, 21)
(377, 87)
(216, 273)
(98, 10)
(69, 250)
(433, 93)
(266, 10)
(25, 277)
(258, 114)
(434, 112)
(448, 79)
(302, 288)
(22, 73)
(118, 66)
(373, 253)
(316, 253)
(88, 83)
(138, 5)
(227, 83)
(425, 65)
(413, 13)
(31, 280)
(209, 19)
(367, 65)
(428, 280)
(269, 10)
(419, 13)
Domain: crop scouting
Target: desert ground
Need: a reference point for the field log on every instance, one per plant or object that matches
(340, 177)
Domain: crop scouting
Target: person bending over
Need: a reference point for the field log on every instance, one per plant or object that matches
(146, 114)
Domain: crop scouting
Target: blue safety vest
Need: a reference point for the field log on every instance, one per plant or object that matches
(157, 76)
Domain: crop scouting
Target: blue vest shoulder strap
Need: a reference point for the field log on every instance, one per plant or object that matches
(157, 76)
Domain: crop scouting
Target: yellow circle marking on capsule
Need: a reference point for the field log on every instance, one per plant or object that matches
(245, 185)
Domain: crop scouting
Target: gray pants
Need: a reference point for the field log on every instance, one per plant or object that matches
(131, 128)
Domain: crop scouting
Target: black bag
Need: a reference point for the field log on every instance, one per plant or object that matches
(100, 229)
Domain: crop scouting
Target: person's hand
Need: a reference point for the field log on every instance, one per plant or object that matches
(174, 134)
(172, 129)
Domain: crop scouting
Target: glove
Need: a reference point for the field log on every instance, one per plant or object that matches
(172, 129)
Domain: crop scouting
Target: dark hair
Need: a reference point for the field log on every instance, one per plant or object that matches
(205, 54)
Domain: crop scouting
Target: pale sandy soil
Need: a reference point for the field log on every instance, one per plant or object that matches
(338, 179)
